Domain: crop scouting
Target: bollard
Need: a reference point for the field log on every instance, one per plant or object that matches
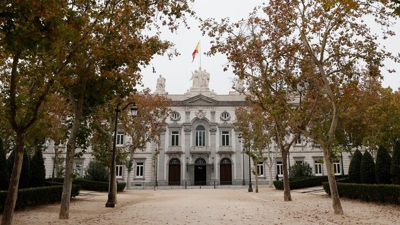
(214, 184)
(185, 185)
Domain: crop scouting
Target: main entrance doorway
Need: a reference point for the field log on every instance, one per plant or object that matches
(174, 176)
(225, 169)
(200, 172)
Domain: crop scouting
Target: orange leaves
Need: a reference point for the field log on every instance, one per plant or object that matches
(152, 113)
(256, 127)
(347, 4)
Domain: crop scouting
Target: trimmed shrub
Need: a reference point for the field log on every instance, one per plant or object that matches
(368, 192)
(354, 167)
(38, 170)
(97, 185)
(25, 172)
(37, 196)
(395, 167)
(86, 184)
(96, 172)
(4, 175)
(382, 167)
(303, 183)
(278, 184)
(299, 170)
(56, 180)
(367, 169)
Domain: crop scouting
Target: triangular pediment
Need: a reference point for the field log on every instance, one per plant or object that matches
(200, 100)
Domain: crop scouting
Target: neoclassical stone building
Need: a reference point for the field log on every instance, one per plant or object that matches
(199, 145)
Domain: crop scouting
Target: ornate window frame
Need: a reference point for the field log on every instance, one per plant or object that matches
(225, 116)
(175, 116)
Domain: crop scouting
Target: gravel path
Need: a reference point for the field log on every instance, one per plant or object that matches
(211, 206)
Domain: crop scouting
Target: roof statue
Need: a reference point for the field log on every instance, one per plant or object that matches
(239, 86)
(160, 86)
(201, 80)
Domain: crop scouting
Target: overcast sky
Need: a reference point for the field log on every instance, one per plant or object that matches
(177, 71)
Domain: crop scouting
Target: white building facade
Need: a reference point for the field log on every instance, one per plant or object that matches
(199, 145)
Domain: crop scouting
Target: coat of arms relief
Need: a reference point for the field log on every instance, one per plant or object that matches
(200, 114)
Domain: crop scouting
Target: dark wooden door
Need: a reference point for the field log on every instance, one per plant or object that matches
(174, 177)
(226, 174)
(200, 175)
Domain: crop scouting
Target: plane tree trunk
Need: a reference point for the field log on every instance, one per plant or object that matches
(69, 161)
(336, 204)
(11, 200)
(286, 186)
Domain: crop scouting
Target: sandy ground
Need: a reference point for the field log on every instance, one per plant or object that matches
(211, 206)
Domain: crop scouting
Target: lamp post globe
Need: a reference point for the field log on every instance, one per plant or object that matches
(134, 110)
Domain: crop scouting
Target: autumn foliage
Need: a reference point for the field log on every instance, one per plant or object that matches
(303, 58)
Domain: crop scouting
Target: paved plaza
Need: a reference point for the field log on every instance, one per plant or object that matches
(211, 206)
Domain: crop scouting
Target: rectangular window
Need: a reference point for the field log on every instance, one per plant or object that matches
(298, 140)
(120, 138)
(337, 168)
(225, 138)
(350, 139)
(260, 169)
(279, 169)
(118, 171)
(175, 138)
(200, 138)
(139, 170)
(318, 168)
(78, 169)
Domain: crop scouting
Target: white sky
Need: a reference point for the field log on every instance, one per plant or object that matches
(177, 71)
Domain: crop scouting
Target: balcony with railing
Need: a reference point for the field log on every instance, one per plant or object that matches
(200, 149)
(174, 150)
(225, 149)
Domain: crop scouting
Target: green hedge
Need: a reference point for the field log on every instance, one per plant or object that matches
(93, 185)
(37, 196)
(302, 183)
(368, 192)
(97, 185)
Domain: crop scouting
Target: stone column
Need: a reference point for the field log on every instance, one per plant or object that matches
(187, 176)
(161, 164)
(213, 149)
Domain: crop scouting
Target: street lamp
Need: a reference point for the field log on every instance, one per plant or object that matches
(56, 143)
(341, 163)
(250, 187)
(156, 165)
(134, 109)
(240, 141)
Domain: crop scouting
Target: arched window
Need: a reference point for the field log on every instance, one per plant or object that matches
(200, 136)
(200, 161)
(225, 161)
(174, 161)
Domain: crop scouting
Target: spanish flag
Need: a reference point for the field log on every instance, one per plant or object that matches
(196, 50)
